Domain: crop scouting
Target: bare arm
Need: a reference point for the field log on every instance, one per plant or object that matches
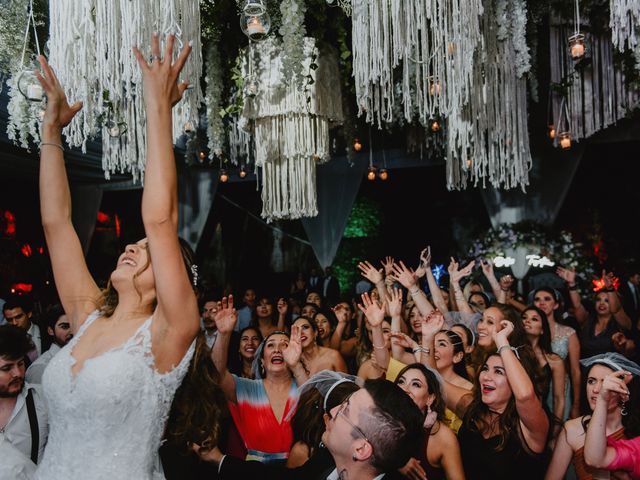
(454, 279)
(575, 373)
(177, 306)
(569, 276)
(375, 276)
(596, 452)
(225, 319)
(558, 378)
(451, 459)
(77, 290)
(283, 307)
(534, 421)
(409, 281)
(487, 269)
(374, 315)
(562, 455)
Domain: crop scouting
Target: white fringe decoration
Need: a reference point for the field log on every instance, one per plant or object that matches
(90, 45)
(291, 128)
(492, 139)
(213, 101)
(598, 96)
(625, 26)
(453, 66)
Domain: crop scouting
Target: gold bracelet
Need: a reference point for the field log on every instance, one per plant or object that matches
(42, 144)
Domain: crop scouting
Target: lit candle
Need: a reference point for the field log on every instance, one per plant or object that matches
(565, 141)
(35, 92)
(255, 27)
(371, 175)
(435, 126)
(577, 50)
(552, 132)
(114, 131)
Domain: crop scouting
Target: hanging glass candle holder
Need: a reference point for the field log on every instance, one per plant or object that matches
(254, 7)
(576, 46)
(116, 129)
(434, 125)
(243, 172)
(30, 87)
(257, 26)
(371, 174)
(383, 174)
(551, 132)
(251, 86)
(564, 138)
(224, 176)
(357, 145)
(189, 127)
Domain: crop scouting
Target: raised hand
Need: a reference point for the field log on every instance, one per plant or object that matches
(282, 306)
(293, 351)
(341, 313)
(457, 275)
(395, 303)
(226, 316)
(568, 275)
(373, 312)
(432, 324)
(58, 112)
(369, 272)
(608, 279)
(487, 268)
(501, 337)
(403, 340)
(404, 275)
(425, 262)
(387, 264)
(506, 281)
(615, 384)
(160, 77)
(413, 470)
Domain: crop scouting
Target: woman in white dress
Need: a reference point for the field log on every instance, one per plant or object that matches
(110, 389)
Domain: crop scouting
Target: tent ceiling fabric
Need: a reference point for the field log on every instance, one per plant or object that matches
(338, 186)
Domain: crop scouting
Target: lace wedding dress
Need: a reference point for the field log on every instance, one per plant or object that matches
(106, 422)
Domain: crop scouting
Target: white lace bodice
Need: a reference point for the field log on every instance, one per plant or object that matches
(107, 421)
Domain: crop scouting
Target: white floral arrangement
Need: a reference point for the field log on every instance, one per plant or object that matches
(213, 101)
(559, 248)
(24, 116)
(293, 32)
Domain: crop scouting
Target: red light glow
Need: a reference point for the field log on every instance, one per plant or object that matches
(26, 250)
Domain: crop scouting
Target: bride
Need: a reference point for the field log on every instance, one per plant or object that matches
(110, 389)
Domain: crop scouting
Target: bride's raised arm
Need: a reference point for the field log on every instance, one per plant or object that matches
(177, 311)
(77, 290)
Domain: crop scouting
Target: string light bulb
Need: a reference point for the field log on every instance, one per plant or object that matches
(357, 145)
(371, 174)
(243, 172)
(383, 174)
(224, 176)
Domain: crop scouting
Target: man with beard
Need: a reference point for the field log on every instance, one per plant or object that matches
(59, 329)
(23, 417)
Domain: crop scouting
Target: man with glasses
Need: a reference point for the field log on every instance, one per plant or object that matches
(373, 432)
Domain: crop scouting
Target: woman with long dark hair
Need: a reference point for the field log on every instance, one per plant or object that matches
(555, 378)
(570, 443)
(134, 340)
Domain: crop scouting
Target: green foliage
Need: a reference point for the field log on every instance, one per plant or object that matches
(364, 220)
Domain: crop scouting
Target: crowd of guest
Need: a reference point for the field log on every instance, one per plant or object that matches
(505, 384)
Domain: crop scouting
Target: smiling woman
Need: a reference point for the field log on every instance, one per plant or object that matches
(314, 357)
(144, 324)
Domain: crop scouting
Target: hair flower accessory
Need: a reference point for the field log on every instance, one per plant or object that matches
(194, 275)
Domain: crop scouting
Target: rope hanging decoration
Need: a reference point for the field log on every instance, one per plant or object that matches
(90, 45)
(291, 127)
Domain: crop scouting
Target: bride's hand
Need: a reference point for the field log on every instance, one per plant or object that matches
(58, 112)
(160, 77)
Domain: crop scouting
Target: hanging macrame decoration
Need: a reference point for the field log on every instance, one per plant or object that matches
(90, 45)
(291, 126)
(492, 142)
(625, 26)
(597, 95)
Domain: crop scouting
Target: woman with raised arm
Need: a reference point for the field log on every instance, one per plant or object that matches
(260, 408)
(316, 358)
(570, 445)
(505, 428)
(132, 342)
(599, 326)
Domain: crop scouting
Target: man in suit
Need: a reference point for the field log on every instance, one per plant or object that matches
(330, 287)
(630, 291)
(373, 432)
